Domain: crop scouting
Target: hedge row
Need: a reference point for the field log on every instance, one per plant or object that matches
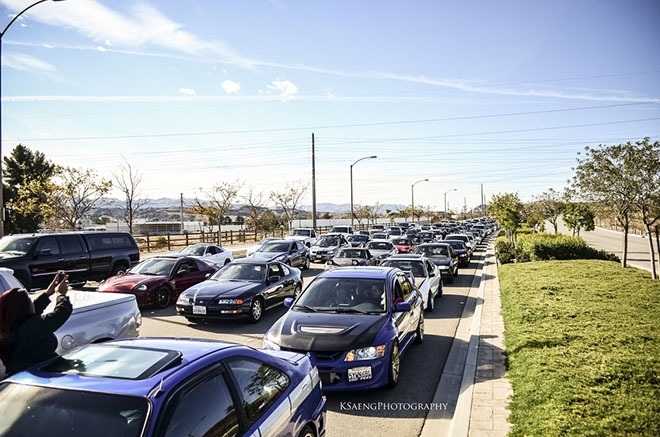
(544, 247)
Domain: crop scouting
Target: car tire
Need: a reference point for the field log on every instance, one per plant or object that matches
(394, 366)
(227, 261)
(256, 310)
(117, 269)
(450, 278)
(440, 289)
(456, 271)
(306, 263)
(430, 302)
(419, 339)
(163, 297)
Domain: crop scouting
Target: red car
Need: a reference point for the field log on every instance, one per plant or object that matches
(158, 281)
(402, 244)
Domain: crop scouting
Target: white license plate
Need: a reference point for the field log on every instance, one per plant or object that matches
(359, 373)
(198, 309)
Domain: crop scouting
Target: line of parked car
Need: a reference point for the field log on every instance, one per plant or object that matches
(347, 330)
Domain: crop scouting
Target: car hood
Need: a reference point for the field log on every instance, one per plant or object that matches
(212, 289)
(326, 332)
(127, 282)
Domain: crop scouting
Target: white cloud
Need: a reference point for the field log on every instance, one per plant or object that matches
(286, 88)
(231, 87)
(188, 91)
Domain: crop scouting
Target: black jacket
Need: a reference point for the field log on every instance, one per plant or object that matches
(34, 340)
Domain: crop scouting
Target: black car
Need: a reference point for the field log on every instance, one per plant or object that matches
(245, 287)
(290, 252)
(357, 240)
(443, 256)
(461, 250)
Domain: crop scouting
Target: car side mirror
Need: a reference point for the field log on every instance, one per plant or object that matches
(402, 307)
(288, 301)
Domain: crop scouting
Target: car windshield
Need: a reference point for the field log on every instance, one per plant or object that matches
(16, 245)
(434, 251)
(351, 253)
(154, 266)
(329, 242)
(401, 242)
(300, 232)
(357, 237)
(86, 413)
(241, 272)
(414, 266)
(275, 247)
(344, 295)
(194, 250)
(380, 245)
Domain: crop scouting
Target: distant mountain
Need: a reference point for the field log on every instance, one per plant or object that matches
(165, 202)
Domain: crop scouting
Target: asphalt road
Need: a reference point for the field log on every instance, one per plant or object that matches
(612, 241)
(400, 411)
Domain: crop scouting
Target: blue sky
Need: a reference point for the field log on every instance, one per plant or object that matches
(501, 94)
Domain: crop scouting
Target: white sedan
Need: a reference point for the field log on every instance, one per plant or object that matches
(424, 273)
(209, 252)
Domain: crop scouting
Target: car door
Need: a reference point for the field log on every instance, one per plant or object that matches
(403, 320)
(188, 273)
(434, 275)
(277, 291)
(46, 262)
(75, 257)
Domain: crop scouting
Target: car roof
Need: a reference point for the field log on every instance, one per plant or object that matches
(250, 260)
(373, 272)
(139, 365)
(409, 256)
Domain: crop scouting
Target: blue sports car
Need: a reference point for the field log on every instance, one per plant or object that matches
(356, 323)
(165, 387)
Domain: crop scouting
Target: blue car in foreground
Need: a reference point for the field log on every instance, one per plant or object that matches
(356, 323)
(165, 387)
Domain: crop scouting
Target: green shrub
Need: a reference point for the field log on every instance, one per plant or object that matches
(160, 242)
(504, 250)
(543, 247)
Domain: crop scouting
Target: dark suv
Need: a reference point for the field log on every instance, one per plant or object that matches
(84, 256)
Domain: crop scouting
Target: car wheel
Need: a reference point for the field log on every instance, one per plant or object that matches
(450, 278)
(430, 304)
(118, 269)
(163, 297)
(227, 261)
(440, 289)
(306, 263)
(456, 271)
(256, 310)
(420, 330)
(307, 431)
(395, 366)
(297, 290)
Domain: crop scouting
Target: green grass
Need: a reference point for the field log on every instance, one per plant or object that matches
(582, 341)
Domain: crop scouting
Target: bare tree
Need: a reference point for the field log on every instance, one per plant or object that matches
(255, 203)
(218, 201)
(128, 182)
(289, 199)
(76, 192)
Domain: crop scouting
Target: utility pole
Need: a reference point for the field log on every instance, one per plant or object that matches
(313, 184)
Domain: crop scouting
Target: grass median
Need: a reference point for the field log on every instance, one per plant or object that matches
(583, 347)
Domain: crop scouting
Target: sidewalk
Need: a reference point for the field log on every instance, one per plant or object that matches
(474, 382)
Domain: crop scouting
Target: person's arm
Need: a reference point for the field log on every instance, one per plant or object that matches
(63, 307)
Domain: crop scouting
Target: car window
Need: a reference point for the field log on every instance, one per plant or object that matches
(71, 244)
(49, 242)
(275, 270)
(406, 286)
(204, 409)
(86, 413)
(259, 386)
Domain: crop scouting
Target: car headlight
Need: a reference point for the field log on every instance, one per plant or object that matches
(183, 300)
(141, 287)
(365, 353)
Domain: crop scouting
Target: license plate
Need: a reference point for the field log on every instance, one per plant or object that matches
(198, 309)
(359, 373)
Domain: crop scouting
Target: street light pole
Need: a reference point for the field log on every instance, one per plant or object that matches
(453, 189)
(364, 157)
(2, 199)
(412, 197)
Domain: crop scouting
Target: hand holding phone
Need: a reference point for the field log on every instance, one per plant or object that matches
(60, 276)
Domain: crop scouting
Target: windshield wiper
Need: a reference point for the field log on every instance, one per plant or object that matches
(307, 307)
